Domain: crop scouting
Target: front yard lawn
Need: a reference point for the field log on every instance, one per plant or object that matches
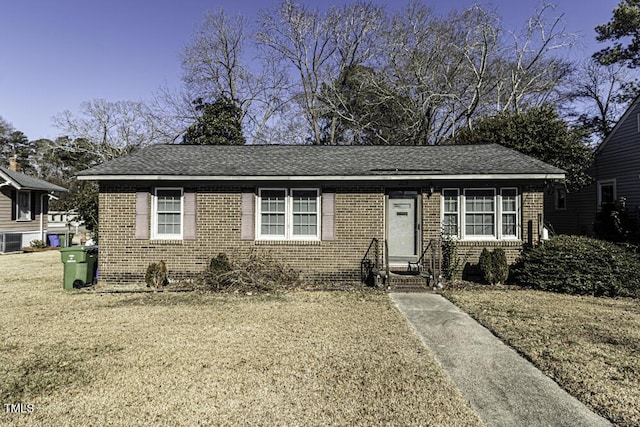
(590, 346)
(299, 358)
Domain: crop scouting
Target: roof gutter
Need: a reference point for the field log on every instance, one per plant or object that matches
(543, 176)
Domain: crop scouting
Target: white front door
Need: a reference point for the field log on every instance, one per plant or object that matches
(401, 233)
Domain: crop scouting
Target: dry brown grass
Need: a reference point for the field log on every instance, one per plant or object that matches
(590, 346)
(301, 358)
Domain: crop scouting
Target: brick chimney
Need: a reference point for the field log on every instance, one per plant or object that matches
(13, 164)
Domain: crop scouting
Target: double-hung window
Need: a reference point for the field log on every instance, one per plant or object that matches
(480, 213)
(477, 214)
(288, 214)
(23, 206)
(509, 212)
(168, 212)
(450, 216)
(606, 192)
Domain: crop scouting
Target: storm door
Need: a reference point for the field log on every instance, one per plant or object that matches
(403, 227)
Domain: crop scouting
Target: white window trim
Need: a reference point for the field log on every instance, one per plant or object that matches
(442, 211)
(463, 216)
(154, 215)
(517, 212)
(288, 216)
(603, 183)
(17, 206)
(497, 197)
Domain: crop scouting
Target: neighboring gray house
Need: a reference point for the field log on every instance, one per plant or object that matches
(615, 172)
(316, 208)
(23, 208)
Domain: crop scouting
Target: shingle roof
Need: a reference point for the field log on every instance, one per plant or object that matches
(327, 161)
(25, 182)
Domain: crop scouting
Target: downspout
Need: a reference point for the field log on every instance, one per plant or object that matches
(42, 217)
(42, 213)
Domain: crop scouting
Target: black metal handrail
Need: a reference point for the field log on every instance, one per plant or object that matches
(370, 263)
(435, 260)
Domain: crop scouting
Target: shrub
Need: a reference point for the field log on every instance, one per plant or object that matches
(615, 224)
(157, 275)
(500, 266)
(451, 262)
(257, 273)
(580, 265)
(220, 264)
(37, 244)
(493, 266)
(486, 266)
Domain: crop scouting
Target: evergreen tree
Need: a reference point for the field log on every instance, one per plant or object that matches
(219, 124)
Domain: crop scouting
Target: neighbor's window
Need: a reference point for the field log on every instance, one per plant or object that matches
(479, 213)
(288, 214)
(450, 212)
(606, 192)
(23, 206)
(168, 213)
(560, 199)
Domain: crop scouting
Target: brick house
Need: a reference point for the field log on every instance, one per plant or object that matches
(318, 208)
(23, 207)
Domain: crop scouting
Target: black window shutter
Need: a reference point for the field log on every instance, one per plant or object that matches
(14, 204)
(34, 200)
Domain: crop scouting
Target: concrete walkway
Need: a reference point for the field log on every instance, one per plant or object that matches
(503, 388)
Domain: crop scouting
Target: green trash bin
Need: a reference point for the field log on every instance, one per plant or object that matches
(80, 263)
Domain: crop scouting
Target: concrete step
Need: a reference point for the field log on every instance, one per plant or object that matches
(407, 283)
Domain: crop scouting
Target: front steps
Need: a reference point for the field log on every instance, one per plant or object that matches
(407, 282)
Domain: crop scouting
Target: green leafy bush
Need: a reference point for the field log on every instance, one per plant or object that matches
(580, 265)
(493, 266)
(157, 275)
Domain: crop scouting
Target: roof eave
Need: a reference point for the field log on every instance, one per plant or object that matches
(413, 177)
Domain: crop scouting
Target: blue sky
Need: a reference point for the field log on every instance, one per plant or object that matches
(56, 54)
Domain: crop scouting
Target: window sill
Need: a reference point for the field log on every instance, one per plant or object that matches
(166, 241)
(490, 242)
(24, 220)
(287, 242)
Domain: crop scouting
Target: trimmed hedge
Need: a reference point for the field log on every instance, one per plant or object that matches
(580, 265)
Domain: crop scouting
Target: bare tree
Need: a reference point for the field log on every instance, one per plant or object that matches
(304, 39)
(437, 73)
(601, 94)
(533, 68)
(216, 64)
(443, 65)
(112, 128)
